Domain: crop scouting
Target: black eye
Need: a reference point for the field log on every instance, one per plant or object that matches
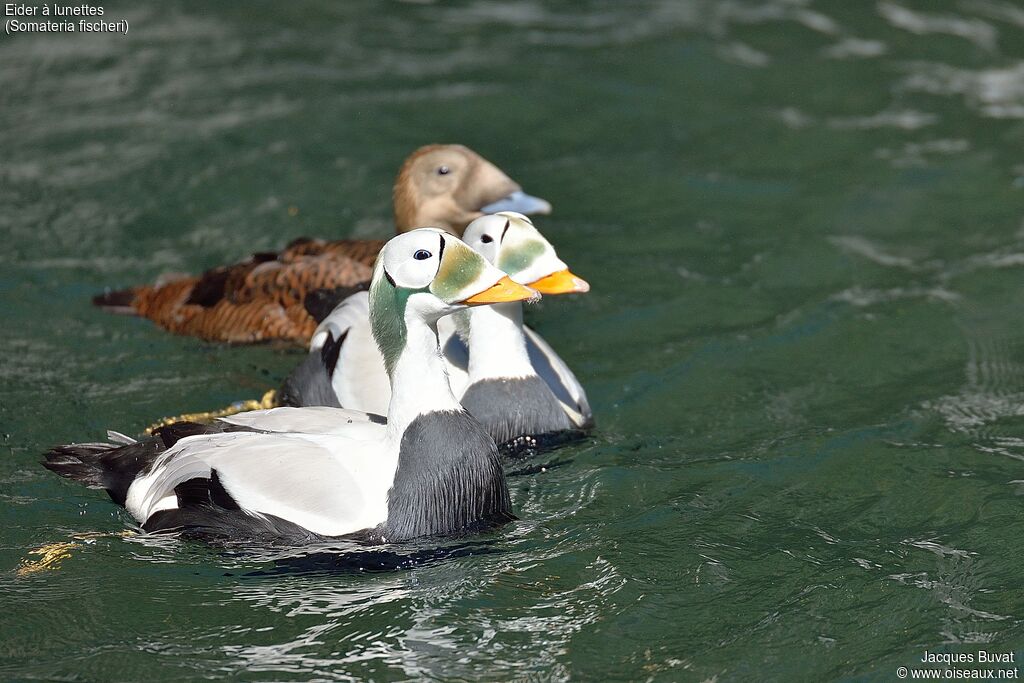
(422, 255)
(486, 239)
(443, 170)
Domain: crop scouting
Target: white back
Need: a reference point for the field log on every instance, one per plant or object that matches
(326, 482)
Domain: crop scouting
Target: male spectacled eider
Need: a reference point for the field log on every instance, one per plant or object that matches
(310, 473)
(261, 299)
(505, 374)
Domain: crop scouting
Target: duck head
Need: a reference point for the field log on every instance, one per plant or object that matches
(450, 185)
(510, 241)
(425, 274)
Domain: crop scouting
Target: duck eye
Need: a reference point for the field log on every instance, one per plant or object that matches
(443, 170)
(421, 255)
(486, 239)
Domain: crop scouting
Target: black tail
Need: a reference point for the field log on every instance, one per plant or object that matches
(118, 301)
(79, 462)
(114, 466)
(104, 466)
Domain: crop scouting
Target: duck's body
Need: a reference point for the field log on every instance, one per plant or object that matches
(256, 300)
(327, 473)
(344, 369)
(504, 390)
(262, 298)
(503, 372)
(309, 473)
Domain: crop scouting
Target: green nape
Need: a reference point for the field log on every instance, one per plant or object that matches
(521, 256)
(387, 319)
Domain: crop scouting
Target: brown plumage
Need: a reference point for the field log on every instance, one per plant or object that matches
(261, 298)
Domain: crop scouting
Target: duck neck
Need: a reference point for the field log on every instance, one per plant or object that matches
(497, 346)
(419, 381)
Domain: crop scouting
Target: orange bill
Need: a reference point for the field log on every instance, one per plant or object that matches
(503, 290)
(562, 282)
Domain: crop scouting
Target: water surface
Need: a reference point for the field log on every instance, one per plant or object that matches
(804, 226)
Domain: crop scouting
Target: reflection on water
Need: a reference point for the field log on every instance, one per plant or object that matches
(998, 93)
(418, 636)
(803, 222)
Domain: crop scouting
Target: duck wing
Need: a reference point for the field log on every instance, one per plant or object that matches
(255, 300)
(310, 383)
(330, 485)
(344, 367)
(322, 420)
(563, 383)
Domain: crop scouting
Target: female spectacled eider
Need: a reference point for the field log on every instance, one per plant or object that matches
(504, 373)
(261, 299)
(310, 473)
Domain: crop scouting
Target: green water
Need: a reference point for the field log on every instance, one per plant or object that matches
(804, 227)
